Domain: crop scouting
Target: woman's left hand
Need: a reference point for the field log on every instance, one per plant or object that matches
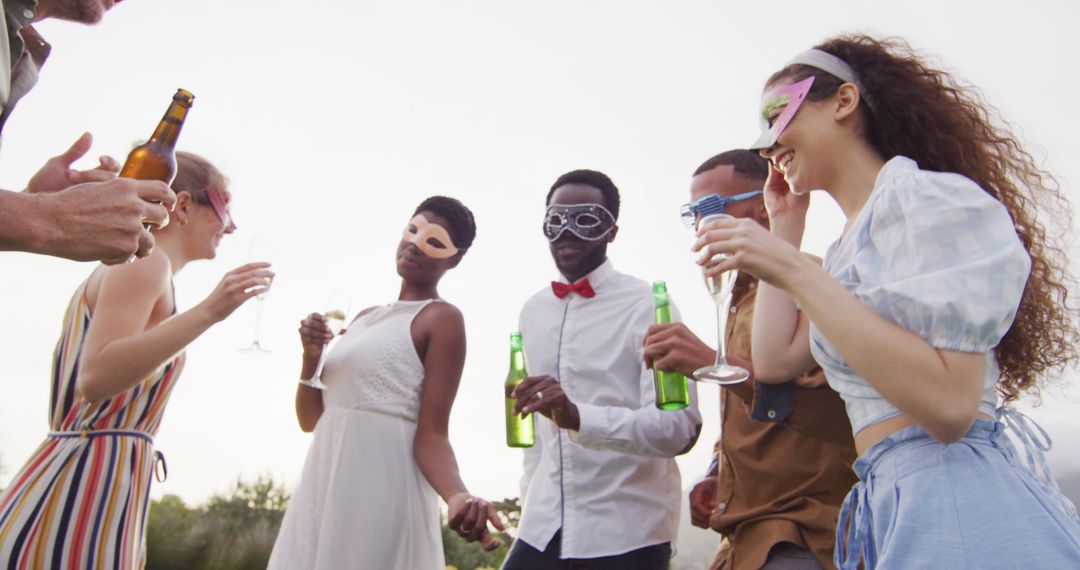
(749, 247)
(468, 516)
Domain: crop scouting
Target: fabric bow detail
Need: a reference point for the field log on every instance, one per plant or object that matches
(583, 288)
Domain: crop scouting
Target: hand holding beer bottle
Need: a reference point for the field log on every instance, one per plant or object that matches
(672, 391)
(155, 159)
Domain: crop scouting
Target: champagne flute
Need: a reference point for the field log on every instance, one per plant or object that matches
(720, 286)
(263, 248)
(339, 304)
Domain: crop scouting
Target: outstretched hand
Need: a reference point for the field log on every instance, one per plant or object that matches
(57, 173)
(238, 286)
(468, 516)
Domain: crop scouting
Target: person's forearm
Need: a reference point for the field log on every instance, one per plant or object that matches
(777, 343)
(309, 402)
(125, 362)
(436, 460)
(646, 431)
(908, 372)
(23, 223)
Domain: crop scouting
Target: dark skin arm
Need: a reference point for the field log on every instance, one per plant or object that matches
(314, 336)
(674, 347)
(439, 336)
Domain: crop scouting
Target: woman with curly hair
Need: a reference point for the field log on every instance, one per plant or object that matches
(946, 291)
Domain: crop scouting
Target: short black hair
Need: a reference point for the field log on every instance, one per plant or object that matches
(597, 180)
(462, 225)
(747, 163)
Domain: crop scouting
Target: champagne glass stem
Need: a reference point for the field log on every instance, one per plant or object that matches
(258, 318)
(722, 309)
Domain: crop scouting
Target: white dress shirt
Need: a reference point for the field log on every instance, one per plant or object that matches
(613, 486)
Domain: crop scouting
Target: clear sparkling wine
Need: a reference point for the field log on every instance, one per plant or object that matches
(721, 285)
(335, 319)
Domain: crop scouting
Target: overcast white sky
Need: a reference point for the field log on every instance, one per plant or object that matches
(335, 119)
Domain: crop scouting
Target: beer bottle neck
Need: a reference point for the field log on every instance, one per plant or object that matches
(168, 130)
(517, 359)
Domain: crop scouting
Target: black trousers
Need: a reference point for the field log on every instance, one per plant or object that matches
(524, 557)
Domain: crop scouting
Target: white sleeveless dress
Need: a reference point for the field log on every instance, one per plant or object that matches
(362, 501)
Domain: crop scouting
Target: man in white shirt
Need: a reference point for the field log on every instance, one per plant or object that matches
(600, 488)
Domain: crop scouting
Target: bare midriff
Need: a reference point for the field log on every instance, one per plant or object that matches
(873, 433)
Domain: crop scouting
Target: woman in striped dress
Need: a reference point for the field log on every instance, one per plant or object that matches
(81, 499)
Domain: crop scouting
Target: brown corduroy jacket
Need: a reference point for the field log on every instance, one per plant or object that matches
(782, 476)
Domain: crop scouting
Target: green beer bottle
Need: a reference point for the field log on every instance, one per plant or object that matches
(520, 432)
(672, 391)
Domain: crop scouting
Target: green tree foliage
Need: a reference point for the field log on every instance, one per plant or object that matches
(470, 555)
(236, 531)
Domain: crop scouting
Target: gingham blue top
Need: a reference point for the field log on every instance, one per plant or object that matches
(937, 255)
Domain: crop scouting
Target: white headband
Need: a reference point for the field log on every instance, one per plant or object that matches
(829, 63)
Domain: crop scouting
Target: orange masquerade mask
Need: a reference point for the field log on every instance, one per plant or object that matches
(432, 239)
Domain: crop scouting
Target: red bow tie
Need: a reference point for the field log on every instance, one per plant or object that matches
(583, 288)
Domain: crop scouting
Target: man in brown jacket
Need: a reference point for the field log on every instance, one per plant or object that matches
(782, 465)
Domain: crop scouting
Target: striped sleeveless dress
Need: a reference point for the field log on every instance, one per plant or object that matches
(81, 500)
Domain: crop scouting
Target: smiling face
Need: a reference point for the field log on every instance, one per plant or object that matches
(203, 227)
(422, 252)
(576, 257)
(802, 146)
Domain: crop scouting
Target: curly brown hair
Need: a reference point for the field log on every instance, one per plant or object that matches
(914, 110)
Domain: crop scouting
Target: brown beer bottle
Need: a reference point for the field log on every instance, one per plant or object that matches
(156, 158)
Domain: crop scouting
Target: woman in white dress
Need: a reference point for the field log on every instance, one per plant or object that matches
(381, 456)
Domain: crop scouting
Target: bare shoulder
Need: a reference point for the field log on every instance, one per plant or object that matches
(442, 313)
(440, 316)
(143, 278)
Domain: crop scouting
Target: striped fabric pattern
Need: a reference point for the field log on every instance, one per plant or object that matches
(81, 501)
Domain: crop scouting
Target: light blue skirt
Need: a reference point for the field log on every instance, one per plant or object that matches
(969, 504)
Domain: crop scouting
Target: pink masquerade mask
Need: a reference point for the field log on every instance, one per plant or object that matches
(789, 98)
(432, 239)
(220, 205)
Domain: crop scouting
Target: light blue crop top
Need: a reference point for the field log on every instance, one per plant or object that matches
(937, 255)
